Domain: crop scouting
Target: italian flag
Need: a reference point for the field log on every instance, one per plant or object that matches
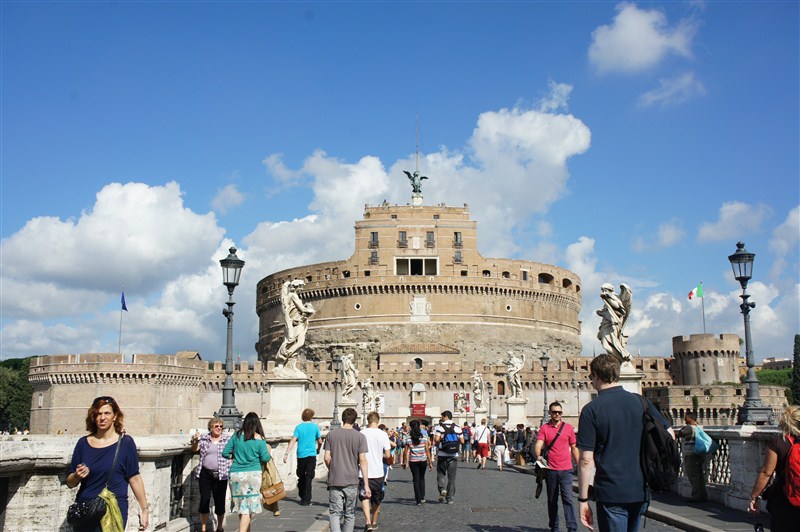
(696, 292)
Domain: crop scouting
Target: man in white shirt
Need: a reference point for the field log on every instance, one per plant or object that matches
(379, 449)
(448, 438)
(482, 437)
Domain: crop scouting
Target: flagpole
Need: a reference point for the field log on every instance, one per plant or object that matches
(703, 306)
(119, 345)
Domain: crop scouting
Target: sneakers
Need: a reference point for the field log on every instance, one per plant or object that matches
(368, 528)
(442, 495)
(449, 501)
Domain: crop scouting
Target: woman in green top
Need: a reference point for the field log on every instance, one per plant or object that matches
(248, 449)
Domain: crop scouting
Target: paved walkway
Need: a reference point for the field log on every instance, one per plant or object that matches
(486, 500)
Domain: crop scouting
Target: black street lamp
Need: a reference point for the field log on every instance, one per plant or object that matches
(231, 270)
(337, 368)
(753, 411)
(544, 359)
(490, 389)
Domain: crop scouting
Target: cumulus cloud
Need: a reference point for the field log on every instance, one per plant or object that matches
(638, 39)
(227, 198)
(785, 242)
(736, 219)
(673, 91)
(669, 234)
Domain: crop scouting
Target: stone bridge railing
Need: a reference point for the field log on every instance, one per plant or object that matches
(34, 495)
(734, 466)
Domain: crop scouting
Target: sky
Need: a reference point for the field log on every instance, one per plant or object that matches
(631, 142)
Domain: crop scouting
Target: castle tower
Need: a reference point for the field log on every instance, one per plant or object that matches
(416, 276)
(702, 359)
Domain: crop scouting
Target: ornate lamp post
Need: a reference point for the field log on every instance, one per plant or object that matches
(577, 387)
(231, 270)
(337, 368)
(544, 359)
(753, 411)
(490, 389)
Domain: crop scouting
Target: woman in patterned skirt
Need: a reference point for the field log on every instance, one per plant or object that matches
(248, 450)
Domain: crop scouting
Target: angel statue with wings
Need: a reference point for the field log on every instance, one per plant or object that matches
(614, 313)
(416, 181)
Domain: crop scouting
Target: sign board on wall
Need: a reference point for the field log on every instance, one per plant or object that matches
(418, 410)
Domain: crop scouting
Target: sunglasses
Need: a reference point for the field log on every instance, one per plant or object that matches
(556, 412)
(104, 398)
(217, 426)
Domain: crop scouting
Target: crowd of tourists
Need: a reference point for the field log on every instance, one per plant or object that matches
(360, 459)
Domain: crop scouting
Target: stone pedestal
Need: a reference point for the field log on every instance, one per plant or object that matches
(416, 199)
(515, 408)
(287, 400)
(479, 414)
(630, 379)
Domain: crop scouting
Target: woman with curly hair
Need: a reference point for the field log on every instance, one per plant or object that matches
(783, 515)
(93, 458)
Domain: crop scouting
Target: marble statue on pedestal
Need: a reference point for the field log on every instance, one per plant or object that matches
(295, 316)
(477, 389)
(614, 313)
(368, 389)
(349, 375)
(514, 366)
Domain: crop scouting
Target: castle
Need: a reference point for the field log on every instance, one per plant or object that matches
(421, 310)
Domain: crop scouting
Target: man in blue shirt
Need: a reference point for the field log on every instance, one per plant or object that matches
(308, 439)
(609, 438)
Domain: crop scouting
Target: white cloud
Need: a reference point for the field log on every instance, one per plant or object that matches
(669, 234)
(673, 91)
(637, 40)
(226, 198)
(785, 242)
(736, 219)
(557, 99)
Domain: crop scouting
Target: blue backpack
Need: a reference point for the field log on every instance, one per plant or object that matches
(449, 442)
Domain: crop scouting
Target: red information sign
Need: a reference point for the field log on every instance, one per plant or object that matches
(417, 410)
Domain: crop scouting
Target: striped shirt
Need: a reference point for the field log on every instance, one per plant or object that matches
(417, 452)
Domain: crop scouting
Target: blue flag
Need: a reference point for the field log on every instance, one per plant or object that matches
(124, 307)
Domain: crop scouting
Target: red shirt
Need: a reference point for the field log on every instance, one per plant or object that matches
(558, 458)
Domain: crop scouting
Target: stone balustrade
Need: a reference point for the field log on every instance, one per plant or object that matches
(733, 468)
(34, 495)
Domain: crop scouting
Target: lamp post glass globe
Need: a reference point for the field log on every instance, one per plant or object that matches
(231, 271)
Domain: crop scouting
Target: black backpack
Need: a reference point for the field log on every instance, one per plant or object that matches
(659, 458)
(449, 443)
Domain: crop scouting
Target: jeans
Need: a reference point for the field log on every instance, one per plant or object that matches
(342, 504)
(418, 478)
(613, 517)
(560, 482)
(306, 467)
(447, 466)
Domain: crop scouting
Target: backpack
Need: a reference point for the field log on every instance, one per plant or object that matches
(449, 443)
(467, 434)
(659, 456)
(791, 488)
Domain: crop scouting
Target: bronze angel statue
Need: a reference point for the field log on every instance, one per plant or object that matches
(416, 181)
(614, 313)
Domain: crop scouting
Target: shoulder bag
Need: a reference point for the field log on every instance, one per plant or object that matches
(92, 511)
(540, 471)
(272, 489)
(703, 443)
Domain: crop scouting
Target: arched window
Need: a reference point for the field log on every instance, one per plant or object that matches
(501, 388)
(418, 363)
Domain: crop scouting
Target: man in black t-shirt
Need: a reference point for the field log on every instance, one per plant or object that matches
(609, 437)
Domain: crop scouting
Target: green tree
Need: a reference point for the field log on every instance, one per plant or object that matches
(777, 377)
(796, 371)
(15, 394)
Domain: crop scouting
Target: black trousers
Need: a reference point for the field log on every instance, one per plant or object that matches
(306, 467)
(418, 477)
(212, 486)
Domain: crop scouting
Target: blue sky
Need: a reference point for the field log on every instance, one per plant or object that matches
(628, 142)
